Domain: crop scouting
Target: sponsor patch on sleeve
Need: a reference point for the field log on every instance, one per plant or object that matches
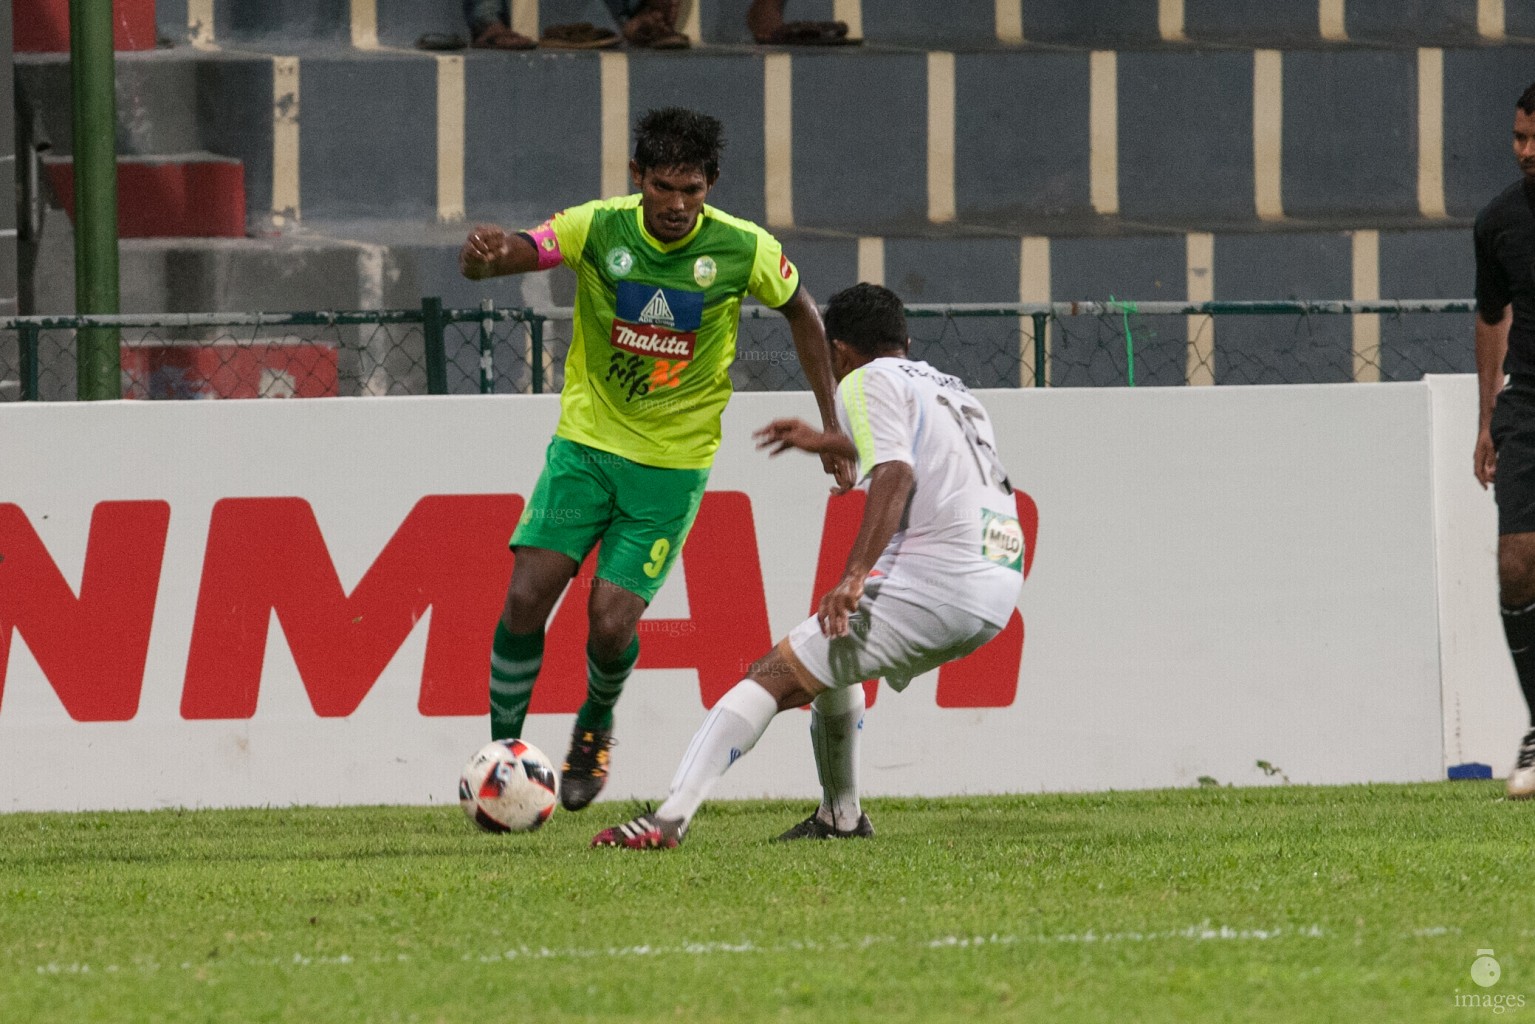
(785, 268)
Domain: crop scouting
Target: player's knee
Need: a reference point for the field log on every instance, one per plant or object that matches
(1516, 574)
(840, 700)
(527, 606)
(775, 675)
(609, 633)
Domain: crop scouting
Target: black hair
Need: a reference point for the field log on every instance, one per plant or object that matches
(677, 137)
(869, 318)
(1527, 100)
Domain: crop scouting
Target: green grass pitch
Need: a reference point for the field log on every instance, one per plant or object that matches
(1274, 904)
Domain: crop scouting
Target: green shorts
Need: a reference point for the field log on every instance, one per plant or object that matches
(639, 514)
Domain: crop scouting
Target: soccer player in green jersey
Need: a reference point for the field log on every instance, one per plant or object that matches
(660, 277)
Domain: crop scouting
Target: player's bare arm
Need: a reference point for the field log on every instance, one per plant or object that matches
(784, 434)
(491, 251)
(889, 490)
(1491, 347)
(815, 357)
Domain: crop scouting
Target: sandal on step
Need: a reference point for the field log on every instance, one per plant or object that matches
(809, 33)
(582, 35)
(652, 30)
(497, 36)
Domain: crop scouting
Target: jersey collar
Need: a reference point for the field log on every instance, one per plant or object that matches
(656, 243)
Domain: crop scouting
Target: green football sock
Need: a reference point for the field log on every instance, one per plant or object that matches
(604, 682)
(514, 662)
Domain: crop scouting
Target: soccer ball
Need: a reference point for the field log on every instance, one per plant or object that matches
(508, 786)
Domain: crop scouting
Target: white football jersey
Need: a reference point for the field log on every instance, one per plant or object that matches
(960, 542)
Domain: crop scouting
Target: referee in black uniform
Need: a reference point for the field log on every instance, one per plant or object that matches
(1505, 440)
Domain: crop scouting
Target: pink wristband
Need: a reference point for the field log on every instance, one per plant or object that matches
(547, 245)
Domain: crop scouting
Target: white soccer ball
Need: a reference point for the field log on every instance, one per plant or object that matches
(508, 786)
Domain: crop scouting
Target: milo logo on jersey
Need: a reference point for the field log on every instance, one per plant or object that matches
(649, 320)
(1001, 539)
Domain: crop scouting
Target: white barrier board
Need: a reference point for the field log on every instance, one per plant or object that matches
(1484, 713)
(250, 603)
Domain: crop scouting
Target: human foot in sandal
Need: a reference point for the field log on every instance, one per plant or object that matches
(655, 27)
(764, 19)
(496, 36)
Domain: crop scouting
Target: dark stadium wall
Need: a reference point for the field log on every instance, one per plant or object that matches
(731, 90)
(1520, 20)
(532, 141)
(860, 128)
(1037, 167)
(1480, 86)
(1400, 21)
(314, 20)
(1250, 22)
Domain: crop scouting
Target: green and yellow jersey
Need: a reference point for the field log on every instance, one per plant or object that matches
(647, 376)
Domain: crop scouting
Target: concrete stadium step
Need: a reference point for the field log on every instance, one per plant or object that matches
(171, 102)
(199, 275)
(1023, 143)
(196, 195)
(157, 101)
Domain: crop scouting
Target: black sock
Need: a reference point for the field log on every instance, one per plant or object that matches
(1519, 628)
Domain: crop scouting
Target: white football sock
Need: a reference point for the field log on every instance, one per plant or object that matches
(836, 722)
(733, 727)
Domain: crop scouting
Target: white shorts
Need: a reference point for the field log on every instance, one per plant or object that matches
(890, 636)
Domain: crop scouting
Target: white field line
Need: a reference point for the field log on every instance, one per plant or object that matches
(1205, 932)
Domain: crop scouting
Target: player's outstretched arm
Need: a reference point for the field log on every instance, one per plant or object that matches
(889, 490)
(815, 358)
(784, 434)
(491, 251)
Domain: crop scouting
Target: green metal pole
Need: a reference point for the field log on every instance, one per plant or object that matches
(436, 350)
(28, 334)
(487, 347)
(536, 349)
(92, 70)
(1041, 322)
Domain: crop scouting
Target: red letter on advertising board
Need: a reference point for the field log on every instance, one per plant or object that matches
(267, 554)
(91, 648)
(728, 625)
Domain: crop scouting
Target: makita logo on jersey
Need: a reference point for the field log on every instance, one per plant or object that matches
(650, 320)
(651, 341)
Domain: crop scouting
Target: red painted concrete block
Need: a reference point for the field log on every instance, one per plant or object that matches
(201, 196)
(42, 26)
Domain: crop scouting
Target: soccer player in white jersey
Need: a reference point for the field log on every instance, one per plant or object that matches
(934, 572)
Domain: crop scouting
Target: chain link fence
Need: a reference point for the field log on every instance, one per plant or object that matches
(433, 350)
